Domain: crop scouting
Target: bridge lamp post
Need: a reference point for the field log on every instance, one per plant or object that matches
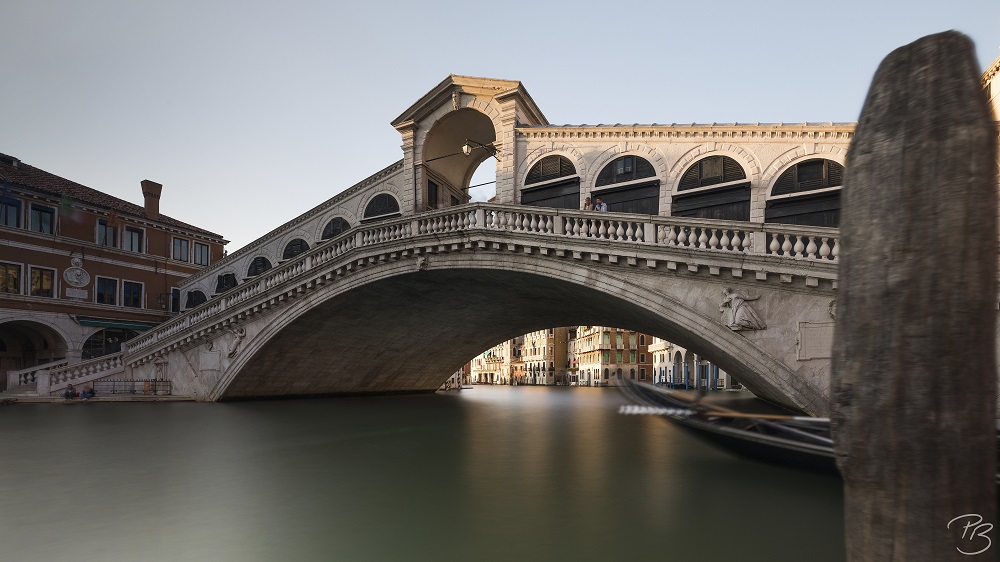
(471, 145)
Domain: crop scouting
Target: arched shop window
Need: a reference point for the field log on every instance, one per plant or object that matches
(334, 228)
(194, 298)
(106, 341)
(225, 282)
(622, 190)
(382, 205)
(715, 187)
(555, 184)
(294, 248)
(807, 193)
(259, 265)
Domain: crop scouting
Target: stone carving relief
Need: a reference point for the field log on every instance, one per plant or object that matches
(75, 275)
(234, 348)
(833, 309)
(737, 313)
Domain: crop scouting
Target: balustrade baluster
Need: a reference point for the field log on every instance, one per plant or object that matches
(811, 248)
(703, 238)
(836, 248)
(619, 232)
(798, 247)
(786, 246)
(682, 236)
(725, 239)
(602, 231)
(630, 232)
(824, 249)
(775, 245)
(713, 242)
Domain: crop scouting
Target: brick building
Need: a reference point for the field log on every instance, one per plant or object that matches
(82, 271)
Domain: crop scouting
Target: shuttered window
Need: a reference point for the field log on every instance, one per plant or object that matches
(550, 168)
(809, 175)
(710, 171)
(625, 168)
(335, 227)
(382, 205)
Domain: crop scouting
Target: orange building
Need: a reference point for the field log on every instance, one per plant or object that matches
(82, 271)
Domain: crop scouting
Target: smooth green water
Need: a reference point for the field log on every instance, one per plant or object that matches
(490, 473)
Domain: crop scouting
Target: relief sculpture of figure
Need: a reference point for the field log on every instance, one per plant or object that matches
(738, 314)
(240, 333)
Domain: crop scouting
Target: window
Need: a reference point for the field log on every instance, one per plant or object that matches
(631, 356)
(181, 250)
(432, 195)
(10, 278)
(224, 282)
(194, 298)
(642, 339)
(642, 373)
(381, 205)
(259, 265)
(201, 255)
(619, 357)
(294, 248)
(334, 228)
(809, 175)
(106, 234)
(550, 168)
(175, 300)
(106, 291)
(710, 171)
(10, 212)
(606, 357)
(42, 219)
(133, 239)
(642, 357)
(42, 282)
(132, 294)
(802, 204)
(625, 168)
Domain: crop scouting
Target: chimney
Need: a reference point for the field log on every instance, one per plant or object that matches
(151, 198)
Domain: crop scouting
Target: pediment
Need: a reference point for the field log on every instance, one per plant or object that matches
(443, 94)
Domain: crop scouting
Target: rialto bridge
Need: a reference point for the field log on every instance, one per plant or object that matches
(397, 281)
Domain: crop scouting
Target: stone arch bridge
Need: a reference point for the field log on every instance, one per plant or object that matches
(396, 306)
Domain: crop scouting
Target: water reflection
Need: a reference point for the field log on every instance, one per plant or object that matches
(491, 473)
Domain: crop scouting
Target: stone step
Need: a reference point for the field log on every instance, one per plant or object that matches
(22, 390)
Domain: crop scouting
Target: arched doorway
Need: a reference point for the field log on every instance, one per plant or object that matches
(25, 344)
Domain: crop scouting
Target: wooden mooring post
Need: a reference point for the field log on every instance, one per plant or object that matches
(914, 389)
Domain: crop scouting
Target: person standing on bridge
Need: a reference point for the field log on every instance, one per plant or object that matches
(587, 205)
(601, 205)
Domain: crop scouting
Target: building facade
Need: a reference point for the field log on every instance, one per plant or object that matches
(678, 367)
(82, 271)
(607, 356)
(544, 356)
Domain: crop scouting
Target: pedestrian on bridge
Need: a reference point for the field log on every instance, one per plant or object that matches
(587, 205)
(601, 205)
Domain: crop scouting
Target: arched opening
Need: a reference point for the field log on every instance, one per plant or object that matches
(106, 341)
(294, 248)
(454, 150)
(28, 344)
(552, 182)
(483, 185)
(259, 265)
(807, 193)
(382, 206)
(196, 297)
(715, 187)
(334, 228)
(628, 185)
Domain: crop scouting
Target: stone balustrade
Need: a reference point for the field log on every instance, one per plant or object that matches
(31, 375)
(562, 226)
(95, 368)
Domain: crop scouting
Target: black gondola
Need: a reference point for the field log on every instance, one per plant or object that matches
(797, 441)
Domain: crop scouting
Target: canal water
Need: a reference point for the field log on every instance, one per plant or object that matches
(488, 473)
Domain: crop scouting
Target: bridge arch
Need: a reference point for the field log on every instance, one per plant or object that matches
(468, 302)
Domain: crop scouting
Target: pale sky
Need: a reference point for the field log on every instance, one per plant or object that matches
(250, 113)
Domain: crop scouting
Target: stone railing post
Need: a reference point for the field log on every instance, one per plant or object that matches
(43, 382)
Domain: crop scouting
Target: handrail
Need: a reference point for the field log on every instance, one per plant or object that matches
(798, 243)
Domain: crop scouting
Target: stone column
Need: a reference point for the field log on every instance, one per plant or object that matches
(913, 391)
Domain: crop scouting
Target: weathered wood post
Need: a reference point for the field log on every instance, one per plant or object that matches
(914, 374)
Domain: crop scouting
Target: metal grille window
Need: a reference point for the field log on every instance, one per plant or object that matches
(294, 248)
(43, 219)
(106, 291)
(106, 234)
(335, 227)
(10, 212)
(201, 254)
(181, 250)
(259, 265)
(132, 294)
(42, 282)
(625, 168)
(550, 168)
(10, 278)
(381, 205)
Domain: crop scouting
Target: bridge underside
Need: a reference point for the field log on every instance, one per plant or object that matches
(428, 323)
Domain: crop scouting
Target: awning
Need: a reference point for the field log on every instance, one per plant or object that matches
(112, 323)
